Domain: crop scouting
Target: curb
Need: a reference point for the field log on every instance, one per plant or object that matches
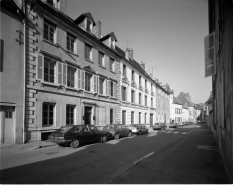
(43, 146)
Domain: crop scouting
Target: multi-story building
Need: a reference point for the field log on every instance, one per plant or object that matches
(220, 50)
(12, 70)
(138, 92)
(177, 113)
(71, 71)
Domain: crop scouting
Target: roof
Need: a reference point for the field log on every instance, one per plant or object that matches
(183, 99)
(109, 35)
(176, 101)
(199, 107)
(82, 16)
(136, 65)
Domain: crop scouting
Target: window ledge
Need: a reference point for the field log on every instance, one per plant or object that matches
(71, 88)
(47, 83)
(112, 71)
(72, 53)
(89, 60)
(54, 44)
(102, 66)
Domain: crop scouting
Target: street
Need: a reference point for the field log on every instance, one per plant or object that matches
(111, 162)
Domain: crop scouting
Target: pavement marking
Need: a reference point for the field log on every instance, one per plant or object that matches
(205, 147)
(143, 158)
(176, 132)
(184, 133)
(168, 132)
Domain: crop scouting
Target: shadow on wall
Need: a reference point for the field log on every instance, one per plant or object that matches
(1, 55)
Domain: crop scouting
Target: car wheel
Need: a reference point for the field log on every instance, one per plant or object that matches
(140, 132)
(75, 143)
(129, 134)
(104, 139)
(117, 136)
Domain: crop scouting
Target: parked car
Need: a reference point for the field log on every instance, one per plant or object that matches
(173, 125)
(138, 128)
(117, 130)
(180, 124)
(159, 126)
(74, 135)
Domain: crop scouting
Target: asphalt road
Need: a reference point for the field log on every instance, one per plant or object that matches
(92, 164)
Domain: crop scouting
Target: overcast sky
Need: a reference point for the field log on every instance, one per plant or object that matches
(167, 34)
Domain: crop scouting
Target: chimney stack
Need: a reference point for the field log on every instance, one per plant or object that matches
(142, 65)
(128, 53)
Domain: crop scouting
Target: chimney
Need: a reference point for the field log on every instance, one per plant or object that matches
(128, 53)
(63, 6)
(142, 65)
(98, 29)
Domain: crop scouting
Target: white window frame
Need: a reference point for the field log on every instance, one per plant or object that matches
(50, 26)
(91, 53)
(75, 77)
(103, 59)
(71, 36)
(112, 66)
(91, 25)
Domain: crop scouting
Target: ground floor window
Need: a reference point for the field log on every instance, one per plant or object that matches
(132, 117)
(70, 114)
(48, 114)
(139, 118)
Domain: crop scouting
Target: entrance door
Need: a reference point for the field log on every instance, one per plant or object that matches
(8, 127)
(123, 117)
(151, 120)
(87, 115)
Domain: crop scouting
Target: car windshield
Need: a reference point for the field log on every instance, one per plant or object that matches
(64, 129)
(100, 127)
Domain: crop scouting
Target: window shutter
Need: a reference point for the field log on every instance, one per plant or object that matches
(79, 78)
(97, 84)
(59, 72)
(64, 73)
(109, 87)
(210, 55)
(83, 80)
(40, 66)
(106, 90)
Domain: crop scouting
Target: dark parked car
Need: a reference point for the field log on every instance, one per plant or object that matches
(117, 130)
(159, 126)
(73, 135)
(138, 128)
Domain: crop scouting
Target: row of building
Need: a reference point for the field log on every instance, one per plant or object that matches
(57, 71)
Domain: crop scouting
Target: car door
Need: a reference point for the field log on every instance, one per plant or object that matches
(124, 130)
(95, 135)
(85, 135)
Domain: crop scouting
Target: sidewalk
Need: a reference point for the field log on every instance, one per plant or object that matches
(14, 148)
(192, 159)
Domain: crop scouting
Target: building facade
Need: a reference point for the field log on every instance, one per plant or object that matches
(71, 71)
(12, 68)
(221, 35)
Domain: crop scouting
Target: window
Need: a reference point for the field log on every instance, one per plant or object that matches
(132, 75)
(123, 93)
(70, 114)
(88, 82)
(89, 25)
(140, 78)
(49, 31)
(111, 116)
(101, 59)
(145, 100)
(145, 84)
(49, 70)
(124, 70)
(8, 114)
(101, 85)
(132, 96)
(151, 102)
(139, 118)
(70, 76)
(48, 114)
(145, 118)
(132, 117)
(70, 42)
(112, 45)
(140, 100)
(88, 52)
(112, 65)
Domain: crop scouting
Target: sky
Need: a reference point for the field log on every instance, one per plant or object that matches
(167, 35)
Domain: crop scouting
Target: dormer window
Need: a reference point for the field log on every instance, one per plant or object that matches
(89, 25)
(112, 42)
